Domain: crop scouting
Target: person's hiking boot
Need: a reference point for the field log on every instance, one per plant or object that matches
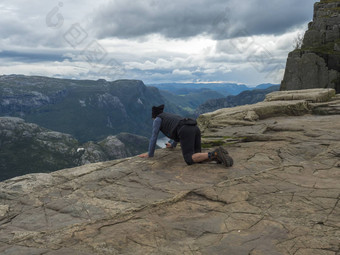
(229, 159)
(221, 156)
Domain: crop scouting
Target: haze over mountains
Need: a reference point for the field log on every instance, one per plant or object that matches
(193, 96)
(245, 97)
(225, 89)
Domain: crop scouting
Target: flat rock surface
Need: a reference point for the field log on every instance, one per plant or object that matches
(280, 197)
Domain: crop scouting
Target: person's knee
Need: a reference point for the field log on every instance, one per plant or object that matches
(188, 159)
(189, 163)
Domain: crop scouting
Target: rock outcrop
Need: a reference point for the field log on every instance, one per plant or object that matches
(281, 196)
(28, 148)
(119, 146)
(317, 63)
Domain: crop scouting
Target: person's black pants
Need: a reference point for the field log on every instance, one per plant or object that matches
(190, 139)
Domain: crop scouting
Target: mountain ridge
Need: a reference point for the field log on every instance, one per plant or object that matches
(225, 89)
(67, 106)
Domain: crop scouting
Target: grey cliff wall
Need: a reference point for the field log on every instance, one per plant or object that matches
(317, 63)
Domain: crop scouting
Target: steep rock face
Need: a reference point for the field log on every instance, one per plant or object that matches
(120, 146)
(317, 63)
(27, 148)
(280, 197)
(88, 110)
(20, 95)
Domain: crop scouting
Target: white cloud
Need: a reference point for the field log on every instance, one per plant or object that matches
(181, 72)
(151, 40)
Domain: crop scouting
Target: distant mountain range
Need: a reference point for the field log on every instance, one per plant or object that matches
(195, 98)
(190, 101)
(225, 89)
(246, 97)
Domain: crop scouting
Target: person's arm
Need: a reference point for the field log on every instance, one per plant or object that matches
(173, 144)
(153, 140)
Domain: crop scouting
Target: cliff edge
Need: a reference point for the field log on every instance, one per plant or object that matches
(281, 196)
(317, 63)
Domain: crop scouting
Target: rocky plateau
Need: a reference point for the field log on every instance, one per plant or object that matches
(280, 197)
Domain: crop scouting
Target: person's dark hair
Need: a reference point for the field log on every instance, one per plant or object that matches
(156, 110)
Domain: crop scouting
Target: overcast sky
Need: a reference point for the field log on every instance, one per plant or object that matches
(155, 41)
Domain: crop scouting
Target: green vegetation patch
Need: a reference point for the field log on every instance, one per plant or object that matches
(330, 1)
(215, 141)
(327, 48)
(213, 144)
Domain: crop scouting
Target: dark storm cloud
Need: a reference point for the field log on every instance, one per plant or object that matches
(220, 19)
(26, 57)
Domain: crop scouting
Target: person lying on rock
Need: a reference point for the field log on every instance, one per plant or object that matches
(185, 131)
